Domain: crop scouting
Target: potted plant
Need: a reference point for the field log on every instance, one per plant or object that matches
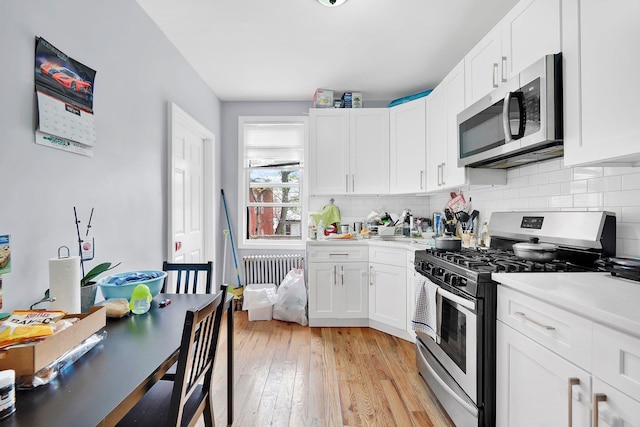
(88, 286)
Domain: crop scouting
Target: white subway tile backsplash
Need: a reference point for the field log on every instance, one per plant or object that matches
(551, 165)
(628, 248)
(539, 178)
(575, 187)
(513, 172)
(620, 170)
(563, 175)
(610, 183)
(588, 200)
(630, 214)
(631, 181)
(538, 202)
(528, 169)
(622, 198)
(550, 189)
(587, 172)
(561, 201)
(628, 230)
(521, 181)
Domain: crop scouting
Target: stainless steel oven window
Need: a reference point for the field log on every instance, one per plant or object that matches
(453, 334)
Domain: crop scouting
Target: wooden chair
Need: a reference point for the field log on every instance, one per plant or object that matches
(187, 277)
(182, 401)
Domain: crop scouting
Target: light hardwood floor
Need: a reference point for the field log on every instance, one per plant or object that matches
(290, 375)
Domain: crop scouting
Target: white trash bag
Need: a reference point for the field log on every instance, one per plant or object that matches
(292, 298)
(259, 295)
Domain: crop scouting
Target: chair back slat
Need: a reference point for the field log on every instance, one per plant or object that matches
(190, 273)
(197, 356)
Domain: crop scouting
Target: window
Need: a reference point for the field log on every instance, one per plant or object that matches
(271, 150)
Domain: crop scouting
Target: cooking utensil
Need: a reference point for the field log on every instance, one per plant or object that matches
(628, 268)
(472, 217)
(535, 251)
(448, 242)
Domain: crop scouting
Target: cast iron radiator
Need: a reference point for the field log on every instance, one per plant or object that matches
(269, 268)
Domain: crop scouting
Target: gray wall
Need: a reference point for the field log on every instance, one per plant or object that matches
(138, 73)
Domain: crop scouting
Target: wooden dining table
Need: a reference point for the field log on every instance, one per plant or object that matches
(105, 383)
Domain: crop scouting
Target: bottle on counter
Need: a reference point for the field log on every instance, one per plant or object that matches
(321, 230)
(313, 231)
(485, 238)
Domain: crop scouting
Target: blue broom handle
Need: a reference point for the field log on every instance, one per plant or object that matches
(233, 247)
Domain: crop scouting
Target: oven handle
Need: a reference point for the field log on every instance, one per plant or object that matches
(466, 405)
(458, 300)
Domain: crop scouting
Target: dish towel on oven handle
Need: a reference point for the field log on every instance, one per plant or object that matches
(428, 310)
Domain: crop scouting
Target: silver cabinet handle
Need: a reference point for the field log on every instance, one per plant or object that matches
(504, 68)
(443, 165)
(438, 174)
(535, 322)
(371, 275)
(342, 275)
(597, 398)
(335, 275)
(572, 382)
(495, 74)
(422, 180)
(353, 183)
(346, 183)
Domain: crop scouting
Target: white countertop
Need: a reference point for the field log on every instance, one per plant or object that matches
(410, 243)
(603, 298)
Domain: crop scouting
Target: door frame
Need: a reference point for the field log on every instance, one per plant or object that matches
(178, 115)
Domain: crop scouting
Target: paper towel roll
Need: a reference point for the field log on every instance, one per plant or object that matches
(64, 283)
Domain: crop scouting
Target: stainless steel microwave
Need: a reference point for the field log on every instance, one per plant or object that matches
(518, 123)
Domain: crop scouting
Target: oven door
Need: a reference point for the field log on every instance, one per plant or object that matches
(458, 346)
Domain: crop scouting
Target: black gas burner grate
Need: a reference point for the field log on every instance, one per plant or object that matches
(503, 261)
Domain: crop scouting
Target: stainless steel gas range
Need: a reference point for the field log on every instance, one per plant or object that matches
(459, 363)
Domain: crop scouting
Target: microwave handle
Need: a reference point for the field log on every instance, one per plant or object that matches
(508, 136)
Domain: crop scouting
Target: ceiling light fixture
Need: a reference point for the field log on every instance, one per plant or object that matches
(331, 3)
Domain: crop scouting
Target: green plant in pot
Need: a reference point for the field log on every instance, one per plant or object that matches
(88, 286)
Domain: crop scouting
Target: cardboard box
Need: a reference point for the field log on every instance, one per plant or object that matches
(356, 100)
(29, 359)
(323, 98)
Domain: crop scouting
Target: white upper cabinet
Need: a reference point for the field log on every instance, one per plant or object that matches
(349, 151)
(407, 147)
(443, 106)
(528, 32)
(601, 63)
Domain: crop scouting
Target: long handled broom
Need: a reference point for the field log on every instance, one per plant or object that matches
(237, 292)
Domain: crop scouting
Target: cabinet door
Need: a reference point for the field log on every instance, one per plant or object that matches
(408, 147)
(353, 284)
(614, 408)
(369, 151)
(533, 384)
(436, 137)
(323, 291)
(453, 86)
(328, 151)
(601, 62)
(388, 294)
(530, 31)
(481, 65)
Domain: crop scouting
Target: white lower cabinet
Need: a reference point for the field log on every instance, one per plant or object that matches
(338, 286)
(388, 289)
(533, 384)
(557, 368)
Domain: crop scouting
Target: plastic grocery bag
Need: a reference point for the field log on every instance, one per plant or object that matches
(291, 305)
(259, 295)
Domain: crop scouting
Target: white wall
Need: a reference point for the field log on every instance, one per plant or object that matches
(138, 72)
(551, 186)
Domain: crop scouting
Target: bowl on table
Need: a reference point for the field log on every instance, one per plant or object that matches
(121, 285)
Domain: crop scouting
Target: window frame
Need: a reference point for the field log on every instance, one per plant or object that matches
(243, 186)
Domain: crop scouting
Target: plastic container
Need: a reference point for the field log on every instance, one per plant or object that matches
(7, 393)
(320, 230)
(140, 300)
(259, 299)
(125, 290)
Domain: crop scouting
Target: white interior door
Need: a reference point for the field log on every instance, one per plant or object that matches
(191, 216)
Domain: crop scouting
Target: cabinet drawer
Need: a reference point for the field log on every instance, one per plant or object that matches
(388, 255)
(616, 359)
(618, 409)
(337, 253)
(556, 329)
